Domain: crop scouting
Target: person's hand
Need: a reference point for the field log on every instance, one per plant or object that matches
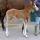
(36, 8)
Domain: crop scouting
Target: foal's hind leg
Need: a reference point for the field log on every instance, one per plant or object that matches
(5, 29)
(6, 25)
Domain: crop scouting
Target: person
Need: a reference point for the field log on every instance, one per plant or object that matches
(37, 7)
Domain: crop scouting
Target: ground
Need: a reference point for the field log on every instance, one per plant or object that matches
(15, 32)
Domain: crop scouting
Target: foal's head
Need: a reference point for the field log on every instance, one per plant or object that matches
(29, 6)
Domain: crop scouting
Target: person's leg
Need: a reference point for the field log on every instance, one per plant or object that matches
(37, 26)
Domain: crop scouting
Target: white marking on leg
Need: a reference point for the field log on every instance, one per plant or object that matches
(6, 31)
(25, 29)
(6, 25)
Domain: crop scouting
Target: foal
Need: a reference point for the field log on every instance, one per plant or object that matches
(25, 13)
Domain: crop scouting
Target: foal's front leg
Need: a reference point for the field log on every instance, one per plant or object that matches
(25, 28)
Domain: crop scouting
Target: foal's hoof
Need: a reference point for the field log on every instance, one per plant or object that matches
(7, 35)
(26, 36)
(6, 32)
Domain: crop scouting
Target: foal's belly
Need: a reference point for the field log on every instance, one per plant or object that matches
(15, 12)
